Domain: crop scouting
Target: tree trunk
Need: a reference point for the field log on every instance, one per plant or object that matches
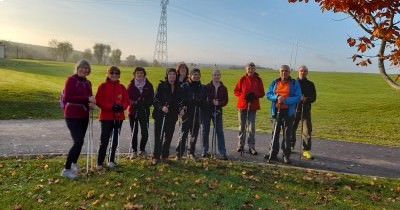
(382, 70)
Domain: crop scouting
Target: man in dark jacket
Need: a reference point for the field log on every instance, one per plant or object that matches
(195, 100)
(303, 112)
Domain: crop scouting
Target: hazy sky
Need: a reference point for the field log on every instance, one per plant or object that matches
(199, 31)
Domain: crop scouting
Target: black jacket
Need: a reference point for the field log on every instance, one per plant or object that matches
(308, 91)
(164, 96)
(195, 94)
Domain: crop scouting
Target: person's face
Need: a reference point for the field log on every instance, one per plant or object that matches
(195, 76)
(114, 75)
(284, 74)
(250, 70)
(139, 75)
(303, 73)
(182, 70)
(83, 71)
(171, 77)
(216, 77)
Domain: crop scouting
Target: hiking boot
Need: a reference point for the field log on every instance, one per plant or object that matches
(273, 158)
(205, 155)
(253, 151)
(154, 161)
(307, 155)
(68, 173)
(112, 164)
(142, 154)
(99, 167)
(75, 168)
(192, 157)
(286, 160)
(133, 155)
(240, 149)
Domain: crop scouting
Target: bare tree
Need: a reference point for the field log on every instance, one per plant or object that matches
(101, 52)
(130, 60)
(64, 50)
(116, 57)
(53, 48)
(87, 54)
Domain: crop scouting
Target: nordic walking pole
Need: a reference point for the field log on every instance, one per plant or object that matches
(277, 121)
(147, 118)
(193, 123)
(162, 130)
(301, 133)
(246, 126)
(132, 130)
(111, 143)
(214, 136)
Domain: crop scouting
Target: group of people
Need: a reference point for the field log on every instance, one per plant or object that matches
(181, 97)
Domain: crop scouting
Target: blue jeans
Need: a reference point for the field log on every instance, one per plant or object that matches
(219, 130)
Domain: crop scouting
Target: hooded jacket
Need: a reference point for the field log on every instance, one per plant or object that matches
(108, 94)
(246, 85)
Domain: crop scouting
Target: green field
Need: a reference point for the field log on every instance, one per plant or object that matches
(35, 184)
(350, 106)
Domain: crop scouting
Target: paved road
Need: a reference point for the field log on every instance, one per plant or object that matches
(20, 137)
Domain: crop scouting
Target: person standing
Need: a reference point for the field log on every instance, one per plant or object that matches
(284, 93)
(248, 89)
(217, 95)
(78, 99)
(112, 99)
(141, 94)
(168, 102)
(195, 101)
(303, 112)
(183, 72)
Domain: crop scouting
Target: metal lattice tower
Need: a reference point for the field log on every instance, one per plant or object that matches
(160, 50)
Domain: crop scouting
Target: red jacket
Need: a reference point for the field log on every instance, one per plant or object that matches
(107, 95)
(246, 85)
(76, 94)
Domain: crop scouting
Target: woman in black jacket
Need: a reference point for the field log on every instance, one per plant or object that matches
(168, 102)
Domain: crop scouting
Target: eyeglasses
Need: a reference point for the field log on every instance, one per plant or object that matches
(115, 73)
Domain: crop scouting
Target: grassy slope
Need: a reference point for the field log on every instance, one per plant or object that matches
(35, 184)
(350, 106)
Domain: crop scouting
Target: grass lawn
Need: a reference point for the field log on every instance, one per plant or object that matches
(34, 183)
(350, 106)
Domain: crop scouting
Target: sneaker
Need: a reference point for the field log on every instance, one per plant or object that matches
(154, 161)
(205, 155)
(292, 149)
(99, 167)
(240, 149)
(223, 157)
(286, 160)
(307, 155)
(253, 151)
(142, 154)
(75, 168)
(178, 157)
(192, 157)
(273, 158)
(133, 155)
(112, 164)
(68, 173)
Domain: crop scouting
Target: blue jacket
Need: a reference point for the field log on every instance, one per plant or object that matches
(291, 101)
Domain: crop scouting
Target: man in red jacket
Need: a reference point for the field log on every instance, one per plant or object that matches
(248, 89)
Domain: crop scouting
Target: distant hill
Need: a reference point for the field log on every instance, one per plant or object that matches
(15, 50)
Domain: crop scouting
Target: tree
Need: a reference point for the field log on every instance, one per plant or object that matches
(116, 57)
(155, 63)
(53, 48)
(64, 50)
(379, 20)
(101, 52)
(87, 54)
(130, 60)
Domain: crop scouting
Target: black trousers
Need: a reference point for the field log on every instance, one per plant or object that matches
(108, 128)
(163, 143)
(286, 123)
(141, 117)
(77, 128)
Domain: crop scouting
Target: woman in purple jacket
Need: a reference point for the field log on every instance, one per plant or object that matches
(141, 94)
(78, 98)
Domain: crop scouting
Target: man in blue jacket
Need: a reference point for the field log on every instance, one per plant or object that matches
(284, 93)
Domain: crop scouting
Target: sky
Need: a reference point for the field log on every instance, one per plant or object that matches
(266, 32)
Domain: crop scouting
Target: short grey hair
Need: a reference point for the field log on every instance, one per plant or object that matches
(285, 67)
(304, 67)
(216, 71)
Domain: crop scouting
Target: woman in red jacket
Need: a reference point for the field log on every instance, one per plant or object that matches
(112, 99)
(78, 99)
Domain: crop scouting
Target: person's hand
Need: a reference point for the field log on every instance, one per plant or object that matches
(281, 99)
(165, 109)
(92, 99)
(182, 112)
(92, 105)
(303, 98)
(215, 102)
(117, 108)
(249, 97)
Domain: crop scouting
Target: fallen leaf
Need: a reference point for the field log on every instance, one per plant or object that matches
(66, 204)
(17, 207)
(130, 206)
(257, 196)
(38, 187)
(96, 202)
(90, 194)
(398, 189)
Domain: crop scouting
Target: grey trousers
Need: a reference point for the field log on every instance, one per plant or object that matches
(306, 132)
(243, 134)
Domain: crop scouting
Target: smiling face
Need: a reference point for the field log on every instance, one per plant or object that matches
(250, 69)
(216, 77)
(139, 75)
(171, 76)
(195, 76)
(83, 70)
(114, 75)
(284, 72)
(303, 72)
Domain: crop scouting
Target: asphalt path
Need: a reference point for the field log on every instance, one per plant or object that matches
(34, 137)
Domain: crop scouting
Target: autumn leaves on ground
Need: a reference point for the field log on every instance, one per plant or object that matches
(35, 184)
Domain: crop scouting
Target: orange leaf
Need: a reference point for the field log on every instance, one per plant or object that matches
(351, 42)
